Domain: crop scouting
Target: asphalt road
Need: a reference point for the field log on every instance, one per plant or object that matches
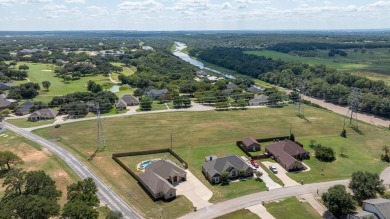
(106, 195)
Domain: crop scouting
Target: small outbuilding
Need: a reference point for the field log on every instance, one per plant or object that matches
(250, 144)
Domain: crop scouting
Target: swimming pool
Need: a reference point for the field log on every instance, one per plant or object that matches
(145, 164)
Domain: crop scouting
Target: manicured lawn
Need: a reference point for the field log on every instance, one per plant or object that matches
(126, 70)
(240, 214)
(291, 208)
(24, 123)
(133, 161)
(36, 158)
(198, 134)
(39, 72)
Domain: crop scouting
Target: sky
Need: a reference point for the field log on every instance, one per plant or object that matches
(168, 15)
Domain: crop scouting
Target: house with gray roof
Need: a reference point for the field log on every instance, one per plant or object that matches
(231, 85)
(155, 94)
(4, 102)
(259, 100)
(43, 114)
(130, 100)
(5, 86)
(121, 105)
(288, 154)
(373, 208)
(24, 109)
(254, 90)
(159, 178)
(250, 144)
(232, 164)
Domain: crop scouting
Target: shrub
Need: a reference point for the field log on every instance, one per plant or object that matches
(343, 133)
(324, 153)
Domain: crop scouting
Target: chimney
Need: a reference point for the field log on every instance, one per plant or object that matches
(211, 158)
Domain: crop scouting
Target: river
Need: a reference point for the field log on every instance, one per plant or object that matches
(178, 52)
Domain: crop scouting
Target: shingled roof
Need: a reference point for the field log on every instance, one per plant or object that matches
(381, 204)
(285, 151)
(249, 141)
(222, 164)
(155, 183)
(165, 168)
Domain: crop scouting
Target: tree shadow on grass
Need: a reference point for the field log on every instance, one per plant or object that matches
(356, 129)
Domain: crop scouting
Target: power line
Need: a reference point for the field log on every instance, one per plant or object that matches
(353, 102)
(101, 141)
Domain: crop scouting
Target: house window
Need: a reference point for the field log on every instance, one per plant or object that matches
(254, 148)
(216, 179)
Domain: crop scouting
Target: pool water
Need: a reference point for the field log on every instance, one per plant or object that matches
(145, 163)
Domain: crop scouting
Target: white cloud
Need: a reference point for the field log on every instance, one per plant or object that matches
(7, 2)
(74, 1)
(131, 6)
(97, 11)
(37, 1)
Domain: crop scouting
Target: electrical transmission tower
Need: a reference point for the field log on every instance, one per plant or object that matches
(101, 141)
(299, 106)
(353, 102)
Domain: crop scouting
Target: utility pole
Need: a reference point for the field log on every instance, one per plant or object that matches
(101, 141)
(171, 140)
(353, 102)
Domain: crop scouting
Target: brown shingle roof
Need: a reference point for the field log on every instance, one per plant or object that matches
(285, 150)
(155, 183)
(165, 168)
(249, 141)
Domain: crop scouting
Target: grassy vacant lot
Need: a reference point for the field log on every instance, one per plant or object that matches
(240, 214)
(198, 134)
(374, 64)
(37, 158)
(291, 208)
(24, 123)
(39, 72)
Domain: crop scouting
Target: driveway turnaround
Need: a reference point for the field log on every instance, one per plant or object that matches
(282, 174)
(195, 191)
(106, 195)
(261, 211)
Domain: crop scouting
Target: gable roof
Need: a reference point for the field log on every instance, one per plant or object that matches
(45, 113)
(4, 103)
(121, 103)
(383, 205)
(5, 86)
(165, 169)
(155, 92)
(260, 99)
(285, 150)
(222, 164)
(129, 99)
(155, 183)
(25, 106)
(253, 90)
(231, 85)
(249, 141)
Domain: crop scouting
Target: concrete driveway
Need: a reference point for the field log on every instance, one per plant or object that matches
(195, 191)
(261, 211)
(282, 174)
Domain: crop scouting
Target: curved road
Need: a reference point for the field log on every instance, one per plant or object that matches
(106, 195)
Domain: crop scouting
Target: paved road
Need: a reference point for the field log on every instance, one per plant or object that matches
(106, 195)
(257, 198)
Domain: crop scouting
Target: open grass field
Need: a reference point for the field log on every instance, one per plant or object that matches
(39, 72)
(291, 208)
(126, 70)
(24, 123)
(198, 134)
(374, 64)
(240, 214)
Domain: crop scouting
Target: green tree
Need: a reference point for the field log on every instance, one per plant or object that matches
(41, 184)
(222, 106)
(242, 103)
(35, 207)
(8, 158)
(114, 215)
(46, 84)
(338, 201)
(13, 64)
(146, 103)
(79, 210)
(14, 182)
(24, 67)
(224, 177)
(386, 156)
(84, 191)
(366, 185)
(292, 137)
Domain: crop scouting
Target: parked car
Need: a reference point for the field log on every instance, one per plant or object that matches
(254, 163)
(273, 169)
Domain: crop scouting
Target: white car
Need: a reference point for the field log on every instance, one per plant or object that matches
(273, 169)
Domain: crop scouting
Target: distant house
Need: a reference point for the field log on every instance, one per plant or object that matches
(231, 85)
(4, 102)
(5, 86)
(155, 94)
(121, 105)
(43, 114)
(227, 91)
(159, 177)
(232, 164)
(373, 208)
(24, 109)
(201, 74)
(259, 100)
(250, 144)
(90, 106)
(130, 100)
(254, 90)
(288, 154)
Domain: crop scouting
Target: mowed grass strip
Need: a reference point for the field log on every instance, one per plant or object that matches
(240, 214)
(24, 123)
(292, 208)
(198, 134)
